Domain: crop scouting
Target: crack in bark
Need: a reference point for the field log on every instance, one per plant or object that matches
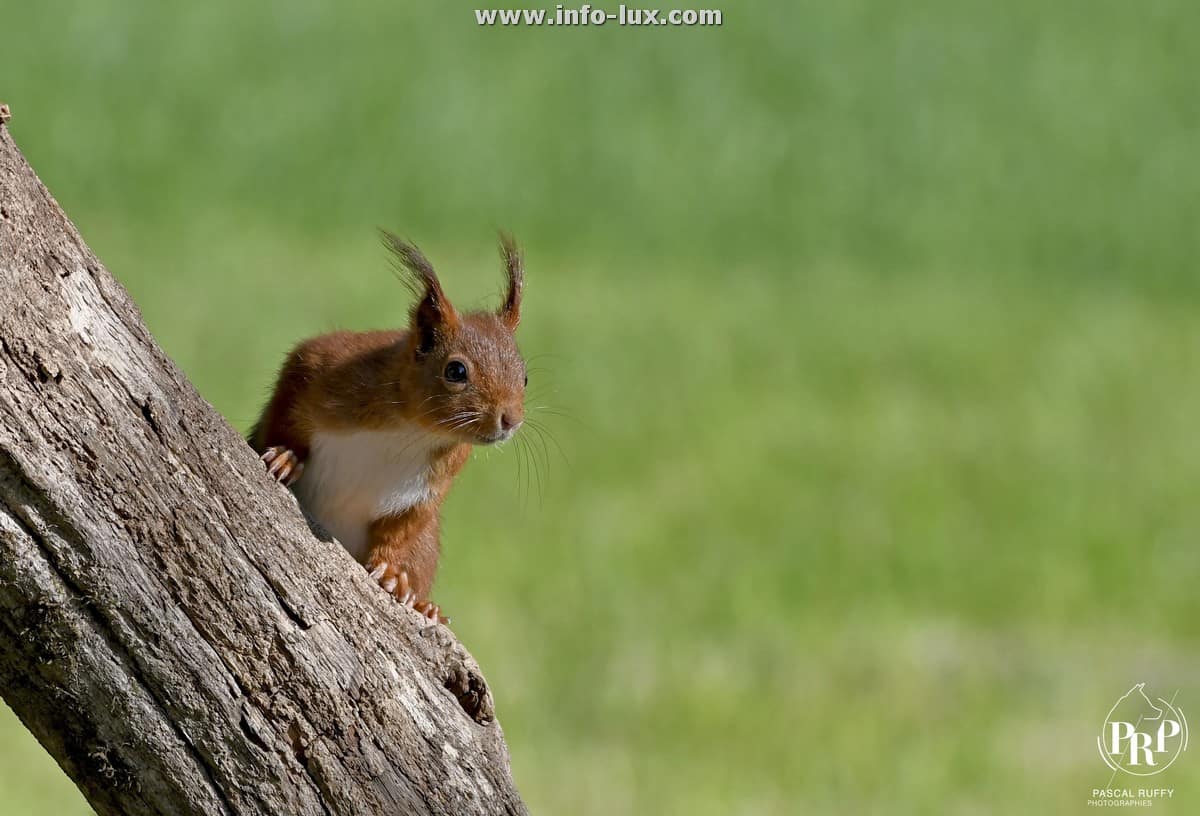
(11, 475)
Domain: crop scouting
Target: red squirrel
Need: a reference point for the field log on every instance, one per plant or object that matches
(369, 429)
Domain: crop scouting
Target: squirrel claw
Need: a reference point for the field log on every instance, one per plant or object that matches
(398, 586)
(283, 465)
(430, 610)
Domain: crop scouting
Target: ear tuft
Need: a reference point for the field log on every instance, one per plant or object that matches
(433, 316)
(514, 267)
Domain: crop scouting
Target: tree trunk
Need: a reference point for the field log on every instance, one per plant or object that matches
(170, 629)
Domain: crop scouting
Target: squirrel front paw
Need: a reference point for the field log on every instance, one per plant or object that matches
(282, 464)
(395, 582)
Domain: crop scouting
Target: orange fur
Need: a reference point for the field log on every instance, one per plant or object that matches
(398, 380)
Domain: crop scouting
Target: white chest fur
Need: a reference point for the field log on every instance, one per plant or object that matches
(353, 478)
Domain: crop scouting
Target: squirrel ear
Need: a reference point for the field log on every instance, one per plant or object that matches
(514, 268)
(433, 315)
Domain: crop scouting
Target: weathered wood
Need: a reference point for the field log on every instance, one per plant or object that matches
(170, 629)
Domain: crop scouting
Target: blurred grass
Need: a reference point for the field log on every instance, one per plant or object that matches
(875, 327)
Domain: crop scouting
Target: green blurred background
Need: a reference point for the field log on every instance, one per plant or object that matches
(868, 333)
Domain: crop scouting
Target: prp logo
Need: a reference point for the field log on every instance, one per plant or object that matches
(1141, 737)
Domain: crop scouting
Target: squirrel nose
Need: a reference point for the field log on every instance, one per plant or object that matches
(509, 420)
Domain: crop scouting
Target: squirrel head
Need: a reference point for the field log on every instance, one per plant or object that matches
(463, 373)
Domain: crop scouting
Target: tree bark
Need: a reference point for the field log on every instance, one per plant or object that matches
(170, 628)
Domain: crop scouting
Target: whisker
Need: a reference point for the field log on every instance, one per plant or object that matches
(552, 411)
(536, 467)
(545, 432)
(543, 355)
(520, 498)
(545, 451)
(530, 470)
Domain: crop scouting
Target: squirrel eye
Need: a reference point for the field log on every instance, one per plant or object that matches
(455, 372)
